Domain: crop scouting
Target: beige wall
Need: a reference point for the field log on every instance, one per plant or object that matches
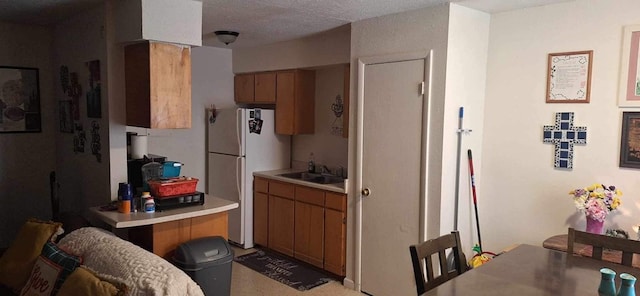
(523, 198)
(27, 158)
(327, 48)
(328, 149)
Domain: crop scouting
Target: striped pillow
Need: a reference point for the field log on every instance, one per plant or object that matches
(51, 269)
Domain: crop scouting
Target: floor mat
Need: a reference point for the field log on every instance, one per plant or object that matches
(284, 270)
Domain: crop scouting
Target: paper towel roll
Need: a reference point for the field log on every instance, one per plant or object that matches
(138, 146)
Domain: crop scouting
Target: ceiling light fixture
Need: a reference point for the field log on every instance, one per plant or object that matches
(226, 37)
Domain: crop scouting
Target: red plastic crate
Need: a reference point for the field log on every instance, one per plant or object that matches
(173, 186)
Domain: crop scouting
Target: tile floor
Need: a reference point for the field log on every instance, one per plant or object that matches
(245, 281)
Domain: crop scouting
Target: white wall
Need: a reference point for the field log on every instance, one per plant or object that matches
(465, 87)
(328, 149)
(83, 180)
(27, 158)
(523, 198)
(212, 83)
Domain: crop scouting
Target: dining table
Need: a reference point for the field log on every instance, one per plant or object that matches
(529, 270)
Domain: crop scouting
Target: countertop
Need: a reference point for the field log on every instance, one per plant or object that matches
(212, 205)
(273, 175)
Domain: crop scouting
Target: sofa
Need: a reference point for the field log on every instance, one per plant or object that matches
(86, 261)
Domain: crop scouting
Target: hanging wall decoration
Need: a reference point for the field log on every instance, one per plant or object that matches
(630, 140)
(338, 108)
(79, 138)
(95, 140)
(629, 88)
(569, 77)
(19, 100)
(564, 135)
(66, 122)
(94, 108)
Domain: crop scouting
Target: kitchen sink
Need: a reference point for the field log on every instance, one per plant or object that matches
(315, 178)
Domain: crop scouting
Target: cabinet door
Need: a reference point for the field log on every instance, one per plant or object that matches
(281, 218)
(261, 218)
(309, 225)
(243, 85)
(265, 88)
(335, 233)
(285, 104)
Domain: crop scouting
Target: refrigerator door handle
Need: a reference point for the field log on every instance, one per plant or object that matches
(238, 176)
(238, 129)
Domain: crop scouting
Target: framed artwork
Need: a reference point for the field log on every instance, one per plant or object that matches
(19, 100)
(569, 77)
(629, 89)
(630, 140)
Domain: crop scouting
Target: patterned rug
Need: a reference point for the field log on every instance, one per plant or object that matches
(283, 269)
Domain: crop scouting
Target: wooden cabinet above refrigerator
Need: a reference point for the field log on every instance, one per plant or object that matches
(158, 85)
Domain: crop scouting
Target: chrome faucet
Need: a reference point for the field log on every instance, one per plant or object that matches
(325, 170)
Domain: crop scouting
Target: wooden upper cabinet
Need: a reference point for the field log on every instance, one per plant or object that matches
(265, 88)
(243, 85)
(158, 85)
(255, 88)
(295, 102)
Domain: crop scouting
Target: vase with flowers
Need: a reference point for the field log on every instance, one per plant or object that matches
(596, 201)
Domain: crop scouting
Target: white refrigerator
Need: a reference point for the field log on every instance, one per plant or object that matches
(241, 141)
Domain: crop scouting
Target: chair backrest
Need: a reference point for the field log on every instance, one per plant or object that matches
(421, 255)
(601, 242)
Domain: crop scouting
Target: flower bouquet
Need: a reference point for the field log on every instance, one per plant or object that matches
(596, 201)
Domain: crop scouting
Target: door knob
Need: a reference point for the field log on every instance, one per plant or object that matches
(366, 192)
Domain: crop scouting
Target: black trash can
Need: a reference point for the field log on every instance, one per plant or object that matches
(207, 261)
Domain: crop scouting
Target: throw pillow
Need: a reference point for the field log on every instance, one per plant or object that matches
(16, 263)
(51, 269)
(84, 282)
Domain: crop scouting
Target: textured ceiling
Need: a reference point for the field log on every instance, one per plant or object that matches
(260, 21)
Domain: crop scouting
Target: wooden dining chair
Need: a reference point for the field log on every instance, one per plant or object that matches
(422, 256)
(600, 242)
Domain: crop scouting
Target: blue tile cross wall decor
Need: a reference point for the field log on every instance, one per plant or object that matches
(564, 135)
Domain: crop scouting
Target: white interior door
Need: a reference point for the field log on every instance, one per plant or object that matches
(392, 137)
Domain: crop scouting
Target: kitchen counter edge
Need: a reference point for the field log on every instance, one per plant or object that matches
(273, 175)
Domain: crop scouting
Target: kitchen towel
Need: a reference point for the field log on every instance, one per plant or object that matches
(138, 146)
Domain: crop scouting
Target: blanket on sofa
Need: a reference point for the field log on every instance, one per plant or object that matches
(118, 260)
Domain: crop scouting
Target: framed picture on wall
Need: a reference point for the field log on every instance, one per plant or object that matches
(629, 89)
(569, 77)
(630, 140)
(19, 100)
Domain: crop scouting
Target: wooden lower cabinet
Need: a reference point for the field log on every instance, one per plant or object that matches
(335, 233)
(309, 226)
(281, 227)
(302, 222)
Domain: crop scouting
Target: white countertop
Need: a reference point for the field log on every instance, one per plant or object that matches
(212, 205)
(340, 188)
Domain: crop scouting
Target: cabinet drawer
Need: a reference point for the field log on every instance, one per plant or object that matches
(281, 189)
(336, 201)
(311, 196)
(261, 185)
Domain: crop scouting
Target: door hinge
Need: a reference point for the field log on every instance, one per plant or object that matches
(421, 88)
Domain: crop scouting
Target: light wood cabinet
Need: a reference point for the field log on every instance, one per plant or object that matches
(303, 222)
(244, 86)
(309, 226)
(281, 217)
(255, 88)
(335, 233)
(158, 85)
(295, 102)
(265, 88)
(261, 212)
